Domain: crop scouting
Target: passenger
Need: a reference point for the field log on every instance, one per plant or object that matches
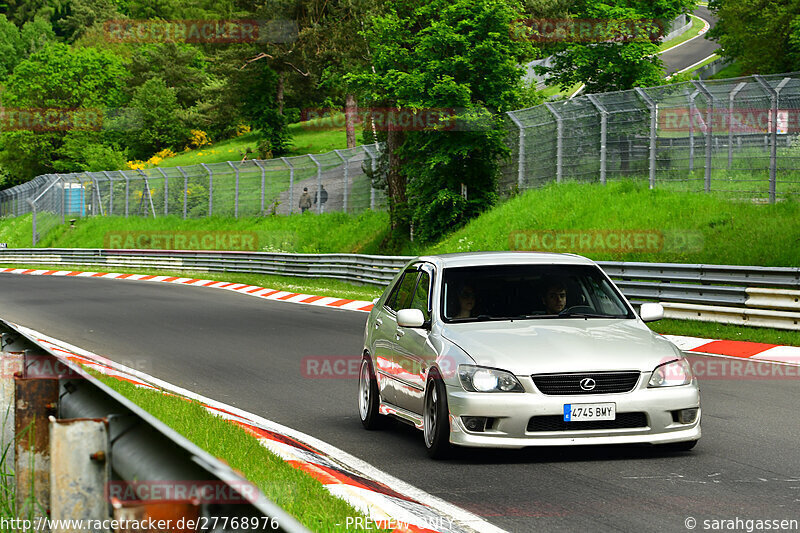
(466, 302)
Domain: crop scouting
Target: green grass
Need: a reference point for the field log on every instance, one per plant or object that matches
(734, 70)
(309, 137)
(292, 489)
(307, 233)
(736, 233)
(694, 31)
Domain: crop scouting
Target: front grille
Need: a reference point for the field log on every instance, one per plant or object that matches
(556, 423)
(605, 382)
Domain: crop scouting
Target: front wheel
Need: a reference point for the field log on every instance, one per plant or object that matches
(436, 419)
(368, 399)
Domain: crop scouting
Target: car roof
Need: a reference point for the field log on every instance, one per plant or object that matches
(504, 258)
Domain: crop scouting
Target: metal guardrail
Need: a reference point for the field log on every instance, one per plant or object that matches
(100, 437)
(729, 286)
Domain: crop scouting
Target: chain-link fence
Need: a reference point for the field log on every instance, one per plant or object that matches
(334, 181)
(737, 136)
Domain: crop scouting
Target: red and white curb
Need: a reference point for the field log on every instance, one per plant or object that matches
(756, 351)
(243, 288)
(388, 502)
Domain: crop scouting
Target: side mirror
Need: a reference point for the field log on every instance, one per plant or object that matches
(410, 318)
(375, 300)
(650, 312)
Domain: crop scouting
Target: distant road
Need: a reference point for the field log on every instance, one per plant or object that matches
(693, 51)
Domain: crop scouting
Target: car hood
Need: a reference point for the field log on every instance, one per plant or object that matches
(562, 345)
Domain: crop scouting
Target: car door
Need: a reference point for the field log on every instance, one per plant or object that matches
(384, 338)
(414, 352)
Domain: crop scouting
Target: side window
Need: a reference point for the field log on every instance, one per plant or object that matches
(401, 296)
(420, 300)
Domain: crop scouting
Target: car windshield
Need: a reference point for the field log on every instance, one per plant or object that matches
(529, 292)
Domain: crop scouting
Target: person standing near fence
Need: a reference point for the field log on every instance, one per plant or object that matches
(305, 200)
(323, 197)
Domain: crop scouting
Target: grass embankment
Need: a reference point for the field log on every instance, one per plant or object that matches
(300, 495)
(691, 33)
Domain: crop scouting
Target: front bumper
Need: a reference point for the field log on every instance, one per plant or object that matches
(511, 413)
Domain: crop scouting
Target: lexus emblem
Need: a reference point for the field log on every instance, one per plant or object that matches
(588, 384)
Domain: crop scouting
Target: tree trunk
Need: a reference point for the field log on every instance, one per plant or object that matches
(396, 181)
(279, 93)
(350, 112)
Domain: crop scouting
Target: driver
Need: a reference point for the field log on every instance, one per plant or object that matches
(554, 297)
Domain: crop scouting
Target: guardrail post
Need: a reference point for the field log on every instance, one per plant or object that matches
(653, 106)
(185, 190)
(79, 469)
(318, 196)
(10, 364)
(709, 130)
(344, 163)
(291, 183)
(166, 190)
(36, 398)
(603, 135)
(559, 141)
(263, 182)
(731, 99)
(235, 191)
(520, 151)
(210, 189)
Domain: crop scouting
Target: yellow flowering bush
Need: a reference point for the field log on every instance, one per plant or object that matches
(199, 138)
(241, 129)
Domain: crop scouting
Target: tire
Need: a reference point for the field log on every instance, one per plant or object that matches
(684, 446)
(436, 419)
(368, 396)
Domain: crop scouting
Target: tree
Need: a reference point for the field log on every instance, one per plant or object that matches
(76, 85)
(180, 66)
(620, 50)
(764, 37)
(16, 45)
(457, 58)
(156, 120)
(83, 14)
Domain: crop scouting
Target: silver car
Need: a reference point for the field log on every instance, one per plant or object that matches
(515, 349)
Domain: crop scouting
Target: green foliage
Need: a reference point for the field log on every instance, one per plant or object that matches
(82, 15)
(764, 37)
(86, 151)
(180, 66)
(445, 55)
(619, 61)
(16, 44)
(157, 120)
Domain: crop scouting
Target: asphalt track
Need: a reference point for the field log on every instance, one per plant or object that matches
(693, 51)
(248, 352)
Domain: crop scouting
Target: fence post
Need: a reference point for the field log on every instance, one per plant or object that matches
(374, 166)
(185, 189)
(99, 198)
(33, 228)
(520, 151)
(291, 183)
(318, 196)
(263, 182)
(127, 192)
(731, 99)
(210, 189)
(653, 106)
(344, 198)
(236, 191)
(603, 135)
(63, 198)
(709, 129)
(166, 190)
(773, 135)
(559, 142)
(110, 192)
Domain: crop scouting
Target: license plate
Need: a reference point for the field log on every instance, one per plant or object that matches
(577, 412)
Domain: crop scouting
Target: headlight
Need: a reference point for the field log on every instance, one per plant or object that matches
(482, 379)
(674, 373)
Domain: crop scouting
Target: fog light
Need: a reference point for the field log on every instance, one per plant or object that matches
(474, 423)
(685, 416)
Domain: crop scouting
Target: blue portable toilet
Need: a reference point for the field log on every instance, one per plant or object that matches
(75, 199)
